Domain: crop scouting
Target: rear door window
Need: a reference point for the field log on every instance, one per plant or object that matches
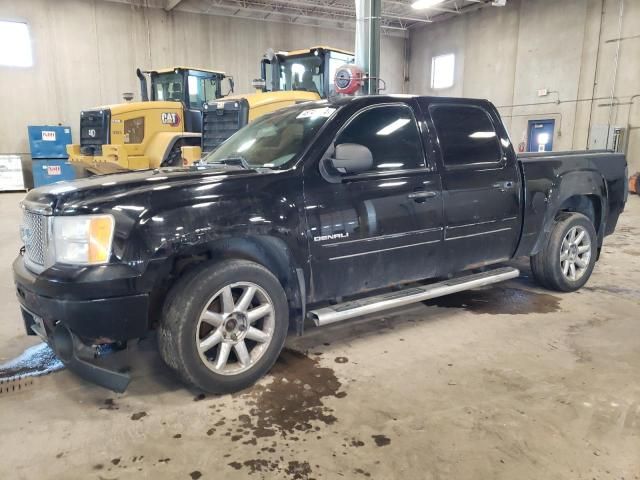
(466, 135)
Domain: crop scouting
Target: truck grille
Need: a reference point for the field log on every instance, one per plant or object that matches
(94, 131)
(221, 120)
(35, 232)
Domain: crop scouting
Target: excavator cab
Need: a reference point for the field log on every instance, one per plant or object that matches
(308, 70)
(192, 87)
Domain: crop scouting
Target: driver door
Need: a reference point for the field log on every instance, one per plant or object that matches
(378, 227)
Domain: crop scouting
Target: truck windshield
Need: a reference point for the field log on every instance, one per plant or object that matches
(273, 140)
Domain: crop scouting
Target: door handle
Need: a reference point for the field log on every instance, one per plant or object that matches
(504, 185)
(422, 194)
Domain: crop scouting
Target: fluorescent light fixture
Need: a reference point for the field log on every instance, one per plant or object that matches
(393, 126)
(15, 44)
(246, 145)
(482, 135)
(422, 4)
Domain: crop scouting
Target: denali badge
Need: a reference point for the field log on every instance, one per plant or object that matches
(170, 118)
(335, 236)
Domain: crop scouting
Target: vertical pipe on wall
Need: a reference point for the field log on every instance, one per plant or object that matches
(595, 75)
(615, 68)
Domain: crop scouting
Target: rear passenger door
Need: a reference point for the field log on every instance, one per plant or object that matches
(381, 226)
(480, 183)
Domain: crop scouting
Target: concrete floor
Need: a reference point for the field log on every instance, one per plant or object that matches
(510, 382)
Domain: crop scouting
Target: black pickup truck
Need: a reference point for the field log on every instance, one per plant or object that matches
(312, 212)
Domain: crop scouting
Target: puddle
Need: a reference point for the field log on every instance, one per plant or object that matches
(34, 361)
(293, 401)
(499, 300)
(288, 410)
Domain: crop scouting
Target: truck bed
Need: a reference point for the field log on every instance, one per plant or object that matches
(551, 179)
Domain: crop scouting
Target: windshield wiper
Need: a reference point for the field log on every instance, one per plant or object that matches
(238, 161)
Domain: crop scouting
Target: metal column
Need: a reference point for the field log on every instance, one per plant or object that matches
(368, 42)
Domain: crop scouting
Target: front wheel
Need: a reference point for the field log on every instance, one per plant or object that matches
(567, 261)
(224, 326)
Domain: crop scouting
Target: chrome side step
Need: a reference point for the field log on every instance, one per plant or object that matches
(386, 301)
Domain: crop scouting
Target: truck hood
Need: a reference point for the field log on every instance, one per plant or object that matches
(81, 196)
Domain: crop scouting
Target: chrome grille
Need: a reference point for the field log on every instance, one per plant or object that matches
(34, 232)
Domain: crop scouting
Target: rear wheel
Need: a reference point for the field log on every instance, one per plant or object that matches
(224, 326)
(567, 261)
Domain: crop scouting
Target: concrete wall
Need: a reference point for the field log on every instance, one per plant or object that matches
(507, 54)
(86, 52)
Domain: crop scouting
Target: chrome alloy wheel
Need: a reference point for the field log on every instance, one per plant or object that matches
(235, 328)
(575, 253)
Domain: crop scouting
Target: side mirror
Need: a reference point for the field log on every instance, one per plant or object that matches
(351, 158)
(231, 86)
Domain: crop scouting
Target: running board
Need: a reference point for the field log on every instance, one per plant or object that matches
(386, 301)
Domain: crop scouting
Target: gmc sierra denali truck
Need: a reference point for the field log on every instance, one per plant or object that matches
(312, 212)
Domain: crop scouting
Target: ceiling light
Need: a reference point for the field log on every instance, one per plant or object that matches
(421, 4)
(393, 126)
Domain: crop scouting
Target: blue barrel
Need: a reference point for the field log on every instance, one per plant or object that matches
(48, 141)
(51, 171)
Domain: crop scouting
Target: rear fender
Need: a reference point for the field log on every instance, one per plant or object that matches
(582, 191)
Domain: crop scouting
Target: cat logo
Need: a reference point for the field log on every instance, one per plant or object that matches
(170, 118)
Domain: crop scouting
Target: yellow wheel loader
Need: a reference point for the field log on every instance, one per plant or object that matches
(149, 133)
(286, 78)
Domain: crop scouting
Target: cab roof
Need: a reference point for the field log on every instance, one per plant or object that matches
(309, 50)
(182, 67)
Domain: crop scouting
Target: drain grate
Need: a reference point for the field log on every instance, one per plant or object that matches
(14, 385)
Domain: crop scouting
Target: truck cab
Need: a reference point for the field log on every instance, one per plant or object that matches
(287, 77)
(148, 133)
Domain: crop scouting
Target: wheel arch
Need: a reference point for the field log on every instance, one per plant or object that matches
(268, 251)
(582, 192)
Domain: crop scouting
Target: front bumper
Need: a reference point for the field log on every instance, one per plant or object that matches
(99, 305)
(75, 355)
(74, 312)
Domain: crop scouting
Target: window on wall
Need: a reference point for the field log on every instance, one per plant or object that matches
(442, 70)
(15, 44)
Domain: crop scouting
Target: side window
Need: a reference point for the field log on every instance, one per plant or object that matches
(466, 135)
(390, 133)
(196, 93)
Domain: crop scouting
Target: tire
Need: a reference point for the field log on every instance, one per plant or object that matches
(573, 238)
(207, 307)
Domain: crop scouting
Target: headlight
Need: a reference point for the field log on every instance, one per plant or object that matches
(83, 239)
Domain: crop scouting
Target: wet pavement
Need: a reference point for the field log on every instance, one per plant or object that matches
(505, 382)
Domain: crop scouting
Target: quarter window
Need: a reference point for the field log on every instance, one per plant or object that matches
(466, 135)
(391, 134)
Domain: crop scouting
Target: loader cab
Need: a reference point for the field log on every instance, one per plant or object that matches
(192, 87)
(310, 70)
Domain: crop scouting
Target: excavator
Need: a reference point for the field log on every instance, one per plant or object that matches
(149, 133)
(287, 77)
